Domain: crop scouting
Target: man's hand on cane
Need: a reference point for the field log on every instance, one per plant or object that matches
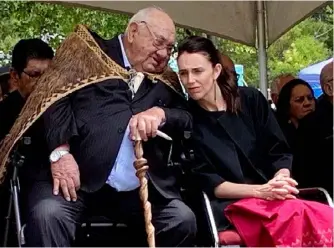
(146, 123)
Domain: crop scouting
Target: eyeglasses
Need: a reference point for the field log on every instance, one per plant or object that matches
(159, 43)
(33, 74)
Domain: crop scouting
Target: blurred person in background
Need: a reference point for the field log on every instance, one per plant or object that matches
(6, 84)
(228, 67)
(30, 59)
(295, 101)
(314, 160)
(277, 85)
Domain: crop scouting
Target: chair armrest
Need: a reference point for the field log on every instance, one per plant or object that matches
(211, 218)
(316, 194)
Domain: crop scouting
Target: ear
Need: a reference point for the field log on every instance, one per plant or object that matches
(217, 70)
(14, 76)
(132, 31)
(328, 89)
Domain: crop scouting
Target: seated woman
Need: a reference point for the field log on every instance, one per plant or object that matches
(243, 161)
(295, 101)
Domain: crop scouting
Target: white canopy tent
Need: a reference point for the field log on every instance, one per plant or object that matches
(255, 23)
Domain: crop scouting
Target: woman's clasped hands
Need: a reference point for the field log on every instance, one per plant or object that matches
(281, 187)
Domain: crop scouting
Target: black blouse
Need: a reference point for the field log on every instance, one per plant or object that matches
(249, 175)
(248, 147)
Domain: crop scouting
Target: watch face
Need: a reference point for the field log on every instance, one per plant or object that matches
(54, 156)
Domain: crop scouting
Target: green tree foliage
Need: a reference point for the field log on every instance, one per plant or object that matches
(32, 19)
(309, 42)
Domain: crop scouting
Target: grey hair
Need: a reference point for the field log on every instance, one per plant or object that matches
(143, 15)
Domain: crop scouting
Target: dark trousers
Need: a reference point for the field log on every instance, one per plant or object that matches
(52, 221)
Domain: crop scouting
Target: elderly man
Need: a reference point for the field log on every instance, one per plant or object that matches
(92, 156)
(314, 161)
(278, 84)
(326, 81)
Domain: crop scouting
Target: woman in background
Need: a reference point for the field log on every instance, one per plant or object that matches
(242, 159)
(295, 101)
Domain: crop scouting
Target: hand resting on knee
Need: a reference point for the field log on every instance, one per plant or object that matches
(66, 176)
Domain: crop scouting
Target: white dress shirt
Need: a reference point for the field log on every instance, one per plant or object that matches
(123, 174)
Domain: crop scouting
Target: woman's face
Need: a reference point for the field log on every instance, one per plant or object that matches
(301, 102)
(197, 74)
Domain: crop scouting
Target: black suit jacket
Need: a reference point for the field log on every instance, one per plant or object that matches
(93, 121)
(10, 109)
(255, 142)
(313, 164)
(32, 146)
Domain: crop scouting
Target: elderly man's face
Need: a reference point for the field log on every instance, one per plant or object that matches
(152, 42)
(326, 80)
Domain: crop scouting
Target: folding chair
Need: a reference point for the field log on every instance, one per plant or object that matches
(17, 161)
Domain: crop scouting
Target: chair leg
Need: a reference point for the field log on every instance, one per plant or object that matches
(211, 219)
(15, 191)
(8, 219)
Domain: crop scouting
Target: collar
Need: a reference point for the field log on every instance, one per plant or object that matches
(125, 58)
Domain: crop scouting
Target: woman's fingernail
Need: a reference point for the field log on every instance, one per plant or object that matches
(68, 199)
(55, 192)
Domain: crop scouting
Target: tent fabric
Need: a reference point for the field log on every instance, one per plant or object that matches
(233, 20)
(311, 75)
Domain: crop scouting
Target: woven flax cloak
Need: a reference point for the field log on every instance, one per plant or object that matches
(79, 62)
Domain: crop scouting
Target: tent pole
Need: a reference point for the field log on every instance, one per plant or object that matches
(262, 52)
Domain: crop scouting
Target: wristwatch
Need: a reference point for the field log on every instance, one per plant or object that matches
(56, 155)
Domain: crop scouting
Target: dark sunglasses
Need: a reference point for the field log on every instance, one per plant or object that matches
(33, 74)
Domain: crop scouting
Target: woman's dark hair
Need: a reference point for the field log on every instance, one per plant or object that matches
(227, 85)
(283, 103)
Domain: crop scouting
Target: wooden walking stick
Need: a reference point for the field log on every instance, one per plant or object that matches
(141, 166)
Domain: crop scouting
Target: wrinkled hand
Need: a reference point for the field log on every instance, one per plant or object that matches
(146, 124)
(281, 187)
(65, 174)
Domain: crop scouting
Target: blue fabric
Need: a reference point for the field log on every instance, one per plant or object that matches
(123, 174)
(311, 75)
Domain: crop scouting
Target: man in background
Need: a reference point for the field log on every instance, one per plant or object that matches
(30, 58)
(229, 68)
(314, 161)
(278, 84)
